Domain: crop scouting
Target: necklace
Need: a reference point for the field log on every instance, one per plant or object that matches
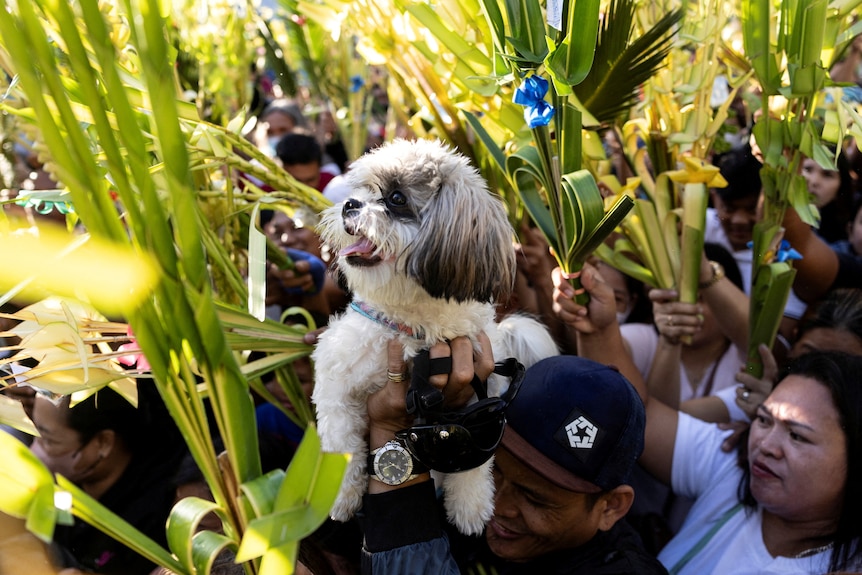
(813, 551)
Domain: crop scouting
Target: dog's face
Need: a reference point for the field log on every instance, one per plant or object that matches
(419, 212)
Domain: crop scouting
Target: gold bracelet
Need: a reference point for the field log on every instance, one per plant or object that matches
(717, 274)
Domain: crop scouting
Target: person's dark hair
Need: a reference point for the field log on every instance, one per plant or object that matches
(845, 171)
(286, 107)
(298, 148)
(138, 427)
(742, 171)
(840, 309)
(835, 215)
(719, 254)
(642, 310)
(839, 373)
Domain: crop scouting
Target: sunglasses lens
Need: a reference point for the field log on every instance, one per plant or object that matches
(486, 426)
(455, 447)
(452, 442)
(446, 448)
(486, 435)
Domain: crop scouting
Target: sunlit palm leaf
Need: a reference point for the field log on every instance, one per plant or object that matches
(277, 61)
(572, 58)
(28, 490)
(526, 32)
(146, 158)
(621, 65)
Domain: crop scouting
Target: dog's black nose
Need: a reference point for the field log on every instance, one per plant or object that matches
(350, 208)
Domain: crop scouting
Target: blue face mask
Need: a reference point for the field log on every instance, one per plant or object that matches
(271, 145)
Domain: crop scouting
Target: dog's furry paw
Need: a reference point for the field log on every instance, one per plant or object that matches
(348, 502)
(469, 498)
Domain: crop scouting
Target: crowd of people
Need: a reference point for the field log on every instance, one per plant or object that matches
(693, 466)
(701, 467)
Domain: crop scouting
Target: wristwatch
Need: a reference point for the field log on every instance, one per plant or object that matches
(717, 275)
(392, 464)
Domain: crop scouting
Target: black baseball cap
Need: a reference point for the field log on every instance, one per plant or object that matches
(577, 423)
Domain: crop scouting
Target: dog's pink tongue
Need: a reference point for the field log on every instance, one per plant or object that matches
(363, 247)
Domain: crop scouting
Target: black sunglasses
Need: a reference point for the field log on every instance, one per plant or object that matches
(451, 441)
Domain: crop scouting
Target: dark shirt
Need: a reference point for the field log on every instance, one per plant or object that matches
(843, 247)
(615, 552)
(849, 272)
(143, 496)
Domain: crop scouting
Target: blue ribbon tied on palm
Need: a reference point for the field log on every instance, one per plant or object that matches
(786, 253)
(531, 94)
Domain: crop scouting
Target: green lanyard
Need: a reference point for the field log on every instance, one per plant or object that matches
(705, 539)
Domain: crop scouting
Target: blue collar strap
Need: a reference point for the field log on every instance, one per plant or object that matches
(364, 309)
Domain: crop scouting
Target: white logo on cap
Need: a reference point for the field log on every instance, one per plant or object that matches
(582, 433)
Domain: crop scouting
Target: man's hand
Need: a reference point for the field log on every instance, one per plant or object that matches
(387, 409)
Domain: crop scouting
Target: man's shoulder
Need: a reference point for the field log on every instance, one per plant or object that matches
(615, 552)
(628, 562)
(593, 560)
(620, 552)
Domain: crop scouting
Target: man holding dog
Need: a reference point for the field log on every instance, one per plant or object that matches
(574, 432)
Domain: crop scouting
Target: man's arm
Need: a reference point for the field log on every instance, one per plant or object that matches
(599, 339)
(403, 532)
(401, 524)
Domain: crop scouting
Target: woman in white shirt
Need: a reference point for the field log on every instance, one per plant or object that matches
(790, 500)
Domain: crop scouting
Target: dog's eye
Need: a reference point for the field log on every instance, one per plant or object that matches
(398, 199)
(397, 205)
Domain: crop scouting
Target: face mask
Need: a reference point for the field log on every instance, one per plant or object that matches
(622, 316)
(736, 140)
(271, 145)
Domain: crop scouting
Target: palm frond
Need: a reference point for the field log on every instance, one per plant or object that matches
(276, 59)
(301, 49)
(621, 66)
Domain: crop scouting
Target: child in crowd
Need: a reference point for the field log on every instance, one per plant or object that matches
(852, 246)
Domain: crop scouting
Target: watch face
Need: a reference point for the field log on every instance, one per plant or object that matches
(393, 465)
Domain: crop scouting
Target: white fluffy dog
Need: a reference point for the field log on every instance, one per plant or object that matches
(425, 249)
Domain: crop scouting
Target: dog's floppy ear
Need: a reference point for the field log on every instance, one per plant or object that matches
(464, 249)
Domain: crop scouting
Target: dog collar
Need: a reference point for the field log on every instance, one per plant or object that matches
(364, 309)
